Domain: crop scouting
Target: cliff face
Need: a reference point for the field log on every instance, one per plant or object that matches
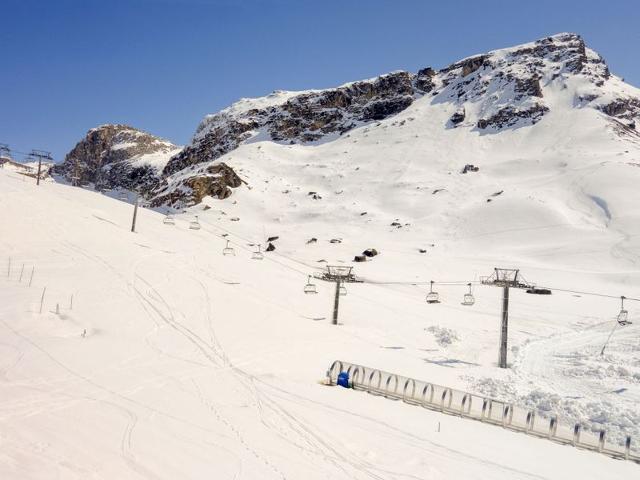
(504, 89)
(297, 118)
(497, 90)
(112, 156)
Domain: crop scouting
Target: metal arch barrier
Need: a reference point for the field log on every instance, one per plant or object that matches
(487, 405)
(395, 385)
(413, 390)
(377, 387)
(332, 368)
(354, 372)
(531, 418)
(467, 397)
(444, 397)
(427, 386)
(553, 427)
(364, 378)
(507, 415)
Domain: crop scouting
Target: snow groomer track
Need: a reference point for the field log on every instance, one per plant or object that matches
(487, 410)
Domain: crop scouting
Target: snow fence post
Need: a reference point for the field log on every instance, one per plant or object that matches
(601, 440)
(576, 434)
(531, 418)
(42, 298)
(553, 425)
(627, 447)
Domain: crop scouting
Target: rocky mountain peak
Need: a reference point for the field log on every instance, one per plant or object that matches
(486, 94)
(111, 156)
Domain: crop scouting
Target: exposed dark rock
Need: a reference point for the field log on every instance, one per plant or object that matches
(335, 240)
(509, 116)
(112, 156)
(468, 65)
(424, 80)
(272, 239)
(385, 108)
(270, 248)
(623, 108)
(359, 258)
(213, 144)
(370, 252)
(528, 87)
(458, 117)
(312, 240)
(216, 181)
(470, 168)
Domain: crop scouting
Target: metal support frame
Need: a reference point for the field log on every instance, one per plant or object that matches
(40, 154)
(339, 275)
(506, 278)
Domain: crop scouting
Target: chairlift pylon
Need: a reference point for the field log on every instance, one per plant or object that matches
(257, 255)
(169, 220)
(468, 298)
(623, 316)
(310, 288)
(195, 224)
(432, 297)
(228, 250)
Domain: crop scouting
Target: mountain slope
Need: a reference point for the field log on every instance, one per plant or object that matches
(172, 360)
(486, 94)
(117, 156)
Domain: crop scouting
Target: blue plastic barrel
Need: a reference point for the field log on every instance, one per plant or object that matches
(343, 379)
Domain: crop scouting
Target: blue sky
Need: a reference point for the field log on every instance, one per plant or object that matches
(160, 65)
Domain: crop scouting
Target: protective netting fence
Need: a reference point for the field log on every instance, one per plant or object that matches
(486, 410)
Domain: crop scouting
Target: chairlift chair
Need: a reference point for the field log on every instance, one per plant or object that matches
(123, 196)
(623, 316)
(310, 288)
(169, 220)
(468, 298)
(195, 224)
(432, 297)
(257, 255)
(342, 291)
(228, 250)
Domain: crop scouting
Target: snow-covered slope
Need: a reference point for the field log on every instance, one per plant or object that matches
(492, 94)
(155, 356)
(197, 364)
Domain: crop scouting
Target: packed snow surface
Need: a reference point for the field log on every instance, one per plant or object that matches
(156, 356)
(178, 362)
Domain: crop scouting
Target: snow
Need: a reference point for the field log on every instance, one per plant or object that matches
(195, 363)
(157, 160)
(199, 365)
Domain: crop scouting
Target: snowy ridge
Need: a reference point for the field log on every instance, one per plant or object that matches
(486, 94)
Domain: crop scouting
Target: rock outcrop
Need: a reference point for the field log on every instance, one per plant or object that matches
(216, 181)
(488, 93)
(117, 156)
(301, 118)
